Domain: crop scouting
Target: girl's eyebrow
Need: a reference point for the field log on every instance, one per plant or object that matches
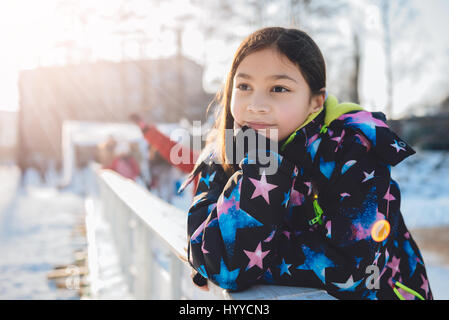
(273, 77)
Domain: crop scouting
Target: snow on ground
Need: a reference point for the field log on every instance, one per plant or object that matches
(423, 180)
(106, 278)
(36, 225)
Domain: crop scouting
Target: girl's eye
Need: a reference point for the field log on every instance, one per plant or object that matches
(243, 87)
(280, 89)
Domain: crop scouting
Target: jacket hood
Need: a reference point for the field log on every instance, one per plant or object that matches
(372, 125)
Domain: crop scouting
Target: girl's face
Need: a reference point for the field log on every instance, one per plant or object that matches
(269, 92)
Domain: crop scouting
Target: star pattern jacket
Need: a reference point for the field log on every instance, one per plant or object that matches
(329, 218)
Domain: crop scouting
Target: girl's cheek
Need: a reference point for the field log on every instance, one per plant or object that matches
(235, 111)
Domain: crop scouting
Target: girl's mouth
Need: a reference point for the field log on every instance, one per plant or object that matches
(259, 125)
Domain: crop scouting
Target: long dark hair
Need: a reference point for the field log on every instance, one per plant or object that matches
(296, 45)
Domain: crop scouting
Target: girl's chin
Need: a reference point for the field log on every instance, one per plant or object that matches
(271, 133)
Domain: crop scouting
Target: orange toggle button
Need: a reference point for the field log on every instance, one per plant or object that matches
(380, 230)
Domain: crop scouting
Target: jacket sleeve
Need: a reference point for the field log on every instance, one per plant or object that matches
(359, 193)
(233, 223)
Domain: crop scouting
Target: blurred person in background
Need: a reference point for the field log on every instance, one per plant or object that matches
(106, 152)
(161, 166)
(124, 163)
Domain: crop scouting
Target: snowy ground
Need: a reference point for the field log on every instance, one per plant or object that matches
(423, 179)
(36, 224)
(36, 227)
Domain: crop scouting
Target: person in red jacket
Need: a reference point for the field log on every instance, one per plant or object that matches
(163, 145)
(124, 163)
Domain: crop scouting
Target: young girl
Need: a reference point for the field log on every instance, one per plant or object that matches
(330, 216)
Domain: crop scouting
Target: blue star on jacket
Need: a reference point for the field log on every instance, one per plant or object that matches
(284, 267)
(235, 218)
(327, 168)
(412, 261)
(315, 261)
(202, 271)
(349, 285)
(226, 278)
(286, 198)
(313, 148)
(208, 178)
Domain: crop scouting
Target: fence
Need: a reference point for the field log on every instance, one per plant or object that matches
(150, 240)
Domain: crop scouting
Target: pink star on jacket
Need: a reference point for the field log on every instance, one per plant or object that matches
(204, 249)
(312, 139)
(359, 232)
(344, 195)
(262, 187)
(364, 141)
(270, 237)
(388, 196)
(394, 265)
(338, 140)
(256, 257)
(425, 284)
(365, 118)
(296, 198)
(199, 230)
(379, 215)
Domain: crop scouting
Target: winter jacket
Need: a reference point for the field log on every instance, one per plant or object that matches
(329, 218)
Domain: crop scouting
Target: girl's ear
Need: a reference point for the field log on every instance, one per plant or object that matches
(318, 101)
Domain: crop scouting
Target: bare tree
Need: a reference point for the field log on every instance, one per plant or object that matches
(354, 78)
(397, 33)
(385, 9)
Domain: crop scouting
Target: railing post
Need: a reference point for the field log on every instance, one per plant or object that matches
(175, 277)
(130, 249)
(141, 262)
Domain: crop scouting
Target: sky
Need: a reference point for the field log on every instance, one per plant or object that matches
(29, 29)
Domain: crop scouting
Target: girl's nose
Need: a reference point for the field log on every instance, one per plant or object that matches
(258, 105)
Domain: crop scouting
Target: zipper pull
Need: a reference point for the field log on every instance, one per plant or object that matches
(318, 212)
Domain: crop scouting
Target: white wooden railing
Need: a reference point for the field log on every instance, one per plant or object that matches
(150, 240)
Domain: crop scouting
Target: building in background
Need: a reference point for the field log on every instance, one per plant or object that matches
(163, 90)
